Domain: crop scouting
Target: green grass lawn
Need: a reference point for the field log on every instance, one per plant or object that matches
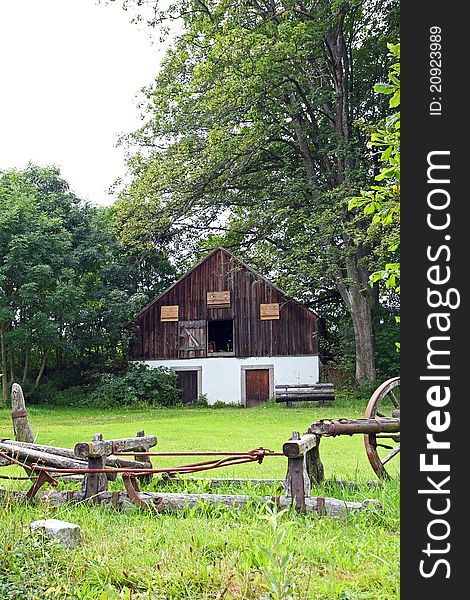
(215, 553)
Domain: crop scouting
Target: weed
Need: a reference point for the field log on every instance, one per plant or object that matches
(270, 556)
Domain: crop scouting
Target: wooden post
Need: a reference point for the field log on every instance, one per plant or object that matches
(304, 467)
(297, 481)
(94, 483)
(314, 464)
(19, 415)
(144, 478)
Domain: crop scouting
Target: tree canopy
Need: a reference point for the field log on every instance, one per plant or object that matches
(67, 286)
(254, 130)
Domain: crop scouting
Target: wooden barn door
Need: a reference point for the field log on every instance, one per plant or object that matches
(257, 386)
(192, 339)
(187, 383)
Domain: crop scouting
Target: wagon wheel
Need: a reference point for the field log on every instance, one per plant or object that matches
(383, 447)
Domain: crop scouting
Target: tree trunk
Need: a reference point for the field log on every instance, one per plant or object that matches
(12, 368)
(361, 314)
(358, 296)
(26, 365)
(4, 366)
(41, 369)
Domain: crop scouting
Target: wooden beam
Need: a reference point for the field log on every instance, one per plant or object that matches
(334, 427)
(30, 456)
(168, 502)
(110, 461)
(108, 447)
(300, 447)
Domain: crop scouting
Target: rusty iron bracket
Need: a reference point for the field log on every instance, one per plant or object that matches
(16, 414)
(43, 478)
(132, 489)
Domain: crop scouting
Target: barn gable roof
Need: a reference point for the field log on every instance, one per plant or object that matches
(237, 260)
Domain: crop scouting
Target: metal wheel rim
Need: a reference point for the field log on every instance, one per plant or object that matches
(370, 439)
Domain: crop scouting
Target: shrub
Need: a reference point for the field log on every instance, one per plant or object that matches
(138, 385)
(201, 401)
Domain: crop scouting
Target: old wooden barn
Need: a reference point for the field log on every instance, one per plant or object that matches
(229, 333)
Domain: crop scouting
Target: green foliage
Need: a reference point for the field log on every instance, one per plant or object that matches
(67, 286)
(201, 401)
(383, 200)
(386, 334)
(138, 386)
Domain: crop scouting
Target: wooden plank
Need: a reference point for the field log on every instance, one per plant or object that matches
(218, 299)
(169, 313)
(320, 398)
(305, 392)
(313, 386)
(268, 312)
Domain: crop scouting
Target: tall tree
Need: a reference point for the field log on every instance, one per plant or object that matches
(67, 286)
(253, 118)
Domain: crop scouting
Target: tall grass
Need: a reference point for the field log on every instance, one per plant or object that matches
(214, 552)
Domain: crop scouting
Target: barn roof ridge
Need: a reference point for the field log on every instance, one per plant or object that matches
(241, 262)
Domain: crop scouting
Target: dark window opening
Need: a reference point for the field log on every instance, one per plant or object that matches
(219, 336)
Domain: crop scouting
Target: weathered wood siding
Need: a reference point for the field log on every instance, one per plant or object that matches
(293, 334)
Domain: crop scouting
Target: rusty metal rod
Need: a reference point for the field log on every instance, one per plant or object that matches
(255, 455)
(267, 453)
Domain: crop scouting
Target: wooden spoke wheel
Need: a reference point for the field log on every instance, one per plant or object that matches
(382, 448)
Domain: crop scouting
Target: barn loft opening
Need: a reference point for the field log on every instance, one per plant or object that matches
(220, 337)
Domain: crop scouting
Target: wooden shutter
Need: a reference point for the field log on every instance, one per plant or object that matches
(268, 311)
(192, 339)
(168, 313)
(218, 299)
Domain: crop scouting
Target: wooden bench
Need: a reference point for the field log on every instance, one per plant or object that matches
(319, 392)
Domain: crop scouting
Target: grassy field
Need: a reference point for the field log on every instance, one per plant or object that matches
(254, 552)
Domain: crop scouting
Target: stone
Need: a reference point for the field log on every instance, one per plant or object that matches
(68, 534)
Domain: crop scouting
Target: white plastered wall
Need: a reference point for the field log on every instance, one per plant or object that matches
(221, 378)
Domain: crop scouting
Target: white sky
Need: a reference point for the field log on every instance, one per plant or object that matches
(70, 71)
